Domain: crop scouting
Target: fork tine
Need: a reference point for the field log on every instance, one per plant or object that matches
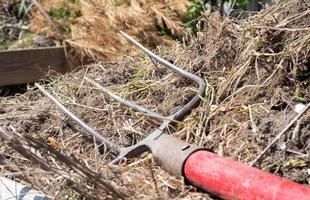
(185, 110)
(129, 104)
(73, 117)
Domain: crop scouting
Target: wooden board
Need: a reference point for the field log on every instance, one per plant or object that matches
(30, 65)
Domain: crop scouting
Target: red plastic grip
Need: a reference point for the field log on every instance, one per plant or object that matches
(232, 180)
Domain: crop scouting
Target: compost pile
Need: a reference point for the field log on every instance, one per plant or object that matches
(256, 70)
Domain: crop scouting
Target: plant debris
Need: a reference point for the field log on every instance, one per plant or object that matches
(92, 26)
(257, 70)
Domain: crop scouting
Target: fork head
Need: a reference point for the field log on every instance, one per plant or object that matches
(169, 151)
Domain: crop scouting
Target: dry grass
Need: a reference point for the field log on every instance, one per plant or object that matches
(94, 34)
(257, 71)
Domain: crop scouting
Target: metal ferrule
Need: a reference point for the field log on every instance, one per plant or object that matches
(171, 153)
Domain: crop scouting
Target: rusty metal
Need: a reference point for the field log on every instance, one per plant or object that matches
(169, 151)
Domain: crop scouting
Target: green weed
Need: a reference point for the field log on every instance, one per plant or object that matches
(64, 13)
(193, 12)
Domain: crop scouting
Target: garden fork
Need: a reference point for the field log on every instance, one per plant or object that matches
(220, 176)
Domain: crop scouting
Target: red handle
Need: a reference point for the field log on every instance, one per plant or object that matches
(232, 180)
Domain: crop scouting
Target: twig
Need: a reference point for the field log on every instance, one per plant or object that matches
(283, 29)
(26, 145)
(155, 182)
(296, 129)
(296, 152)
(280, 134)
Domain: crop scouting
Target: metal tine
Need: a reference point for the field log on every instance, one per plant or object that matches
(129, 104)
(185, 110)
(123, 151)
(142, 145)
(84, 126)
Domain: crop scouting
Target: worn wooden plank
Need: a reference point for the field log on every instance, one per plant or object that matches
(29, 65)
